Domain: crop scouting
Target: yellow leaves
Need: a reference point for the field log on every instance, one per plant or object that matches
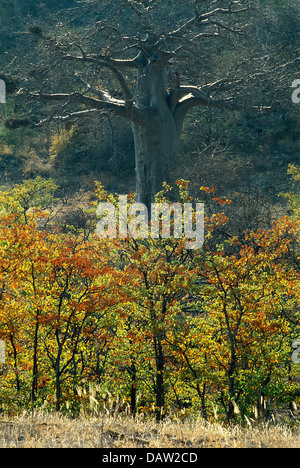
(182, 183)
(222, 201)
(293, 197)
(294, 171)
(30, 197)
(109, 305)
(208, 189)
(61, 141)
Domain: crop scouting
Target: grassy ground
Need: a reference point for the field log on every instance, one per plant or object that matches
(41, 430)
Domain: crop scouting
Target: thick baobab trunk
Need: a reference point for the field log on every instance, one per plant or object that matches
(157, 137)
(156, 147)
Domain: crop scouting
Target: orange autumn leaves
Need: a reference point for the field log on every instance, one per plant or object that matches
(147, 320)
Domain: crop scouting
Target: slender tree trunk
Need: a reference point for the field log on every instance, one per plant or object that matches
(201, 394)
(159, 380)
(133, 389)
(57, 380)
(34, 384)
(18, 385)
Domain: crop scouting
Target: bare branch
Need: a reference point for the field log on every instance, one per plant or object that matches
(191, 101)
(212, 34)
(222, 26)
(133, 6)
(185, 27)
(226, 84)
(126, 91)
(108, 64)
(72, 116)
(183, 91)
(204, 19)
(222, 11)
(121, 63)
(131, 113)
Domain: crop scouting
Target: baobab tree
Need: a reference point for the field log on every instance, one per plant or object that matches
(143, 45)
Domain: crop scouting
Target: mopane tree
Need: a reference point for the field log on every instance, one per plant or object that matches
(133, 59)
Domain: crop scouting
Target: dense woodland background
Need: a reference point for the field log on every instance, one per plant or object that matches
(248, 157)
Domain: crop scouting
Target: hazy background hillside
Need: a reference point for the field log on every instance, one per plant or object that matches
(245, 156)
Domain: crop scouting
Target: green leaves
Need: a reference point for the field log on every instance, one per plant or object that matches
(26, 199)
(147, 320)
(293, 197)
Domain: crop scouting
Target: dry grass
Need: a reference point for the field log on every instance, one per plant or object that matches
(41, 430)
